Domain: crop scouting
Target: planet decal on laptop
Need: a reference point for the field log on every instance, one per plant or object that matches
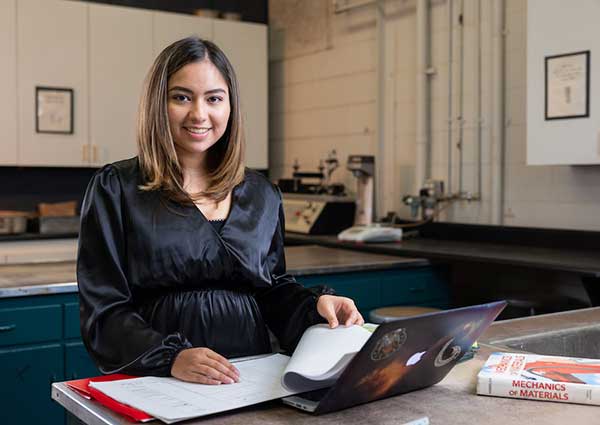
(388, 344)
(441, 360)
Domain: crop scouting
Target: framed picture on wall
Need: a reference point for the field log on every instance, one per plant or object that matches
(567, 86)
(53, 110)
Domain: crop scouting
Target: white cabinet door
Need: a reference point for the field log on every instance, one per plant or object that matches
(170, 27)
(120, 56)
(8, 82)
(245, 44)
(52, 52)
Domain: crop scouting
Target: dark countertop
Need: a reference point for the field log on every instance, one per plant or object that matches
(60, 277)
(583, 261)
(314, 259)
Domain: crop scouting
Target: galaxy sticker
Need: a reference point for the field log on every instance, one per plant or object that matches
(388, 344)
(453, 353)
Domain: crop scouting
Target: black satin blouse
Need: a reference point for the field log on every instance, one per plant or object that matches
(155, 277)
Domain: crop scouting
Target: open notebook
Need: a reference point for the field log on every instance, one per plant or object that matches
(318, 360)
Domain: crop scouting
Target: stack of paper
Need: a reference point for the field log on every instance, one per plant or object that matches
(321, 356)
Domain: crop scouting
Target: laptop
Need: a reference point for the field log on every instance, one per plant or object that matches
(405, 355)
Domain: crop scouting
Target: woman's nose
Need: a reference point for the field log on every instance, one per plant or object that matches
(198, 112)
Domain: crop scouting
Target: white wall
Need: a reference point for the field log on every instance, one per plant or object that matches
(323, 87)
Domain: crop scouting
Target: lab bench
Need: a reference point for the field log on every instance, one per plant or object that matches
(39, 316)
(450, 402)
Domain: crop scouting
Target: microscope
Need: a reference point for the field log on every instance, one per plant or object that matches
(363, 168)
(364, 230)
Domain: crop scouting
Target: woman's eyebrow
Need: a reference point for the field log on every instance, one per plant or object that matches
(215, 91)
(183, 89)
(186, 90)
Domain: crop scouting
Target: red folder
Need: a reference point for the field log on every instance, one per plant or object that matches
(82, 387)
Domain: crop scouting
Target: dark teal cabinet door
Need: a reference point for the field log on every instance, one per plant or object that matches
(78, 362)
(22, 325)
(420, 286)
(363, 288)
(415, 287)
(27, 373)
(71, 322)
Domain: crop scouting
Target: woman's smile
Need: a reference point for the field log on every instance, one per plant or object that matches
(199, 132)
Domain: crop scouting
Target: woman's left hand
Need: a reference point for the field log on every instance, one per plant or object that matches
(338, 310)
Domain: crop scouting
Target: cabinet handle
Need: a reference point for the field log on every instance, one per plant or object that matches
(86, 154)
(6, 328)
(95, 153)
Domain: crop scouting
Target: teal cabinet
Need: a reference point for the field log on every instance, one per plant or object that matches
(27, 373)
(419, 286)
(39, 344)
(78, 363)
(30, 324)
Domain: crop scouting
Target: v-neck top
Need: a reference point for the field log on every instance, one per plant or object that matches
(217, 224)
(156, 277)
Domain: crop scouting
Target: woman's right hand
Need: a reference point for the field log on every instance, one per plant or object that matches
(204, 366)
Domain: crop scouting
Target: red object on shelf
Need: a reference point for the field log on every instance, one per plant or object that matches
(82, 387)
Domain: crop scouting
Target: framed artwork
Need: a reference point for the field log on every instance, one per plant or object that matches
(53, 110)
(567, 86)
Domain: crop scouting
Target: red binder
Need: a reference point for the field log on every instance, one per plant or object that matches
(82, 387)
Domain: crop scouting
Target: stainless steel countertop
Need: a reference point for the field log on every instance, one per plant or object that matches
(451, 402)
(53, 278)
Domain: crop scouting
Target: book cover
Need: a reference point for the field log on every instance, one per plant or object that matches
(540, 377)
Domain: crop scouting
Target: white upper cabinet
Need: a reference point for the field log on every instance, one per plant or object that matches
(245, 45)
(101, 54)
(8, 82)
(563, 118)
(170, 27)
(52, 52)
(120, 56)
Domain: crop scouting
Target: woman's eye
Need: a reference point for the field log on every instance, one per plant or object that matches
(180, 97)
(214, 99)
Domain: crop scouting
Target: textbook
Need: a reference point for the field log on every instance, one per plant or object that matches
(320, 357)
(540, 377)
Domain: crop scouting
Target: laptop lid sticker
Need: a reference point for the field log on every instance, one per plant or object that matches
(388, 344)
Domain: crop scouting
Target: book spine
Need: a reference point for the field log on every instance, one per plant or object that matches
(564, 392)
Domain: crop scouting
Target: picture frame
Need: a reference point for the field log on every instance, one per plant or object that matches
(567, 86)
(54, 110)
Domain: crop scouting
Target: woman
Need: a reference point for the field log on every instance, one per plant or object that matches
(181, 260)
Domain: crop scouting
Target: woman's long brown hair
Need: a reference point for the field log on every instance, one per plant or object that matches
(156, 150)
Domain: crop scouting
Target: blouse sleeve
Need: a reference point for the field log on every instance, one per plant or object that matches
(288, 307)
(114, 333)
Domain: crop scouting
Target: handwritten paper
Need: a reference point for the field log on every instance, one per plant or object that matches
(172, 400)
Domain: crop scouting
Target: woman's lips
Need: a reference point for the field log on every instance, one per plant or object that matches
(197, 132)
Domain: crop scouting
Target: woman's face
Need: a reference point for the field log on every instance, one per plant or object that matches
(198, 107)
